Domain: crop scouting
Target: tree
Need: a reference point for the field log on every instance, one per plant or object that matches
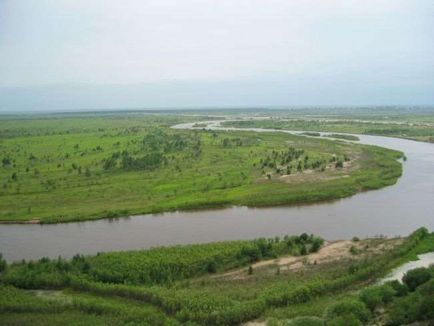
(299, 166)
(316, 244)
(211, 267)
(3, 264)
(6, 161)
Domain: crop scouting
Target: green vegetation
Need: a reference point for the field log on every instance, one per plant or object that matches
(310, 133)
(348, 124)
(341, 136)
(159, 265)
(80, 167)
(213, 293)
(199, 125)
(390, 304)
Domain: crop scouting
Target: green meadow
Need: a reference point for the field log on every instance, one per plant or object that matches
(60, 168)
(421, 130)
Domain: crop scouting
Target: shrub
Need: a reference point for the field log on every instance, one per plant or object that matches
(354, 250)
(427, 288)
(345, 320)
(416, 277)
(287, 294)
(403, 311)
(345, 309)
(305, 321)
(3, 264)
(316, 244)
(426, 308)
(376, 295)
(400, 289)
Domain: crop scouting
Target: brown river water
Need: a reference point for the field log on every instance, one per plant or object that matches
(391, 211)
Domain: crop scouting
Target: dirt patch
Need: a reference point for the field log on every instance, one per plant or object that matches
(309, 175)
(331, 251)
(32, 221)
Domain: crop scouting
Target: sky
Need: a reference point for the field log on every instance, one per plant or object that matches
(80, 54)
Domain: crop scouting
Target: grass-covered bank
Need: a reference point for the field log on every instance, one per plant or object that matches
(223, 284)
(77, 168)
(346, 124)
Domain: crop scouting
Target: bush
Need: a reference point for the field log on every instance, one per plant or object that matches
(416, 277)
(426, 308)
(403, 311)
(345, 309)
(354, 250)
(3, 264)
(286, 294)
(316, 244)
(374, 296)
(305, 321)
(345, 320)
(427, 288)
(400, 289)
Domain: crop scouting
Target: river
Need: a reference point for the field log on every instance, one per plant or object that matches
(391, 211)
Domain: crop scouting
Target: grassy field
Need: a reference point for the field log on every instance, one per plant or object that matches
(295, 280)
(419, 128)
(77, 167)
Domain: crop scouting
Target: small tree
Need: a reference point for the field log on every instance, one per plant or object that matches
(6, 161)
(211, 267)
(316, 244)
(3, 264)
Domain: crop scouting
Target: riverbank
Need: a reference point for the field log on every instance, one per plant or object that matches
(109, 171)
(423, 132)
(216, 283)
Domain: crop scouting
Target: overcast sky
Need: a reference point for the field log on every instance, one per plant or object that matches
(64, 54)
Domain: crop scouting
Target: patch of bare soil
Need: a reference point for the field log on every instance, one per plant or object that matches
(33, 221)
(331, 251)
(309, 175)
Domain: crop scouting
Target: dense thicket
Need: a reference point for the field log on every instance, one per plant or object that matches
(159, 265)
(215, 306)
